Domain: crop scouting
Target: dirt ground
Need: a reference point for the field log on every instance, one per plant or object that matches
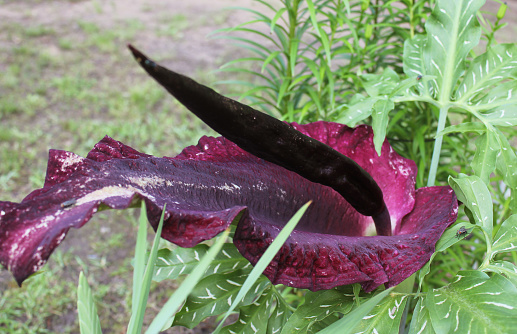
(172, 31)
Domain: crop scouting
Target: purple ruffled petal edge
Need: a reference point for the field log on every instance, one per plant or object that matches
(322, 261)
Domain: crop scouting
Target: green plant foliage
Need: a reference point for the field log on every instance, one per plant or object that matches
(214, 294)
(89, 322)
(491, 303)
(506, 238)
(474, 194)
(318, 306)
(172, 263)
(384, 317)
(253, 317)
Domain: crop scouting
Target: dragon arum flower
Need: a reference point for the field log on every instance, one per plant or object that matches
(380, 230)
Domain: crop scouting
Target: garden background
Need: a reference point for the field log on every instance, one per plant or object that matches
(67, 81)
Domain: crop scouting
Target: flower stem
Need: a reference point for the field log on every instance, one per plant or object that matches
(437, 146)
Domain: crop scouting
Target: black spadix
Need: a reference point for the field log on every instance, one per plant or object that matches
(275, 141)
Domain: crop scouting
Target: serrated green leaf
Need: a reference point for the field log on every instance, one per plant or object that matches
(89, 322)
(421, 322)
(279, 316)
(214, 294)
(381, 84)
(380, 119)
(172, 263)
(318, 305)
(464, 127)
(473, 192)
(507, 161)
(384, 317)
(495, 65)
(486, 154)
(452, 31)
(474, 303)
(253, 317)
(506, 237)
(508, 269)
(346, 324)
(358, 111)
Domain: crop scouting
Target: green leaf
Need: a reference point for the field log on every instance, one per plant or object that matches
(383, 84)
(279, 316)
(172, 263)
(137, 318)
(380, 119)
(421, 322)
(452, 31)
(252, 318)
(214, 294)
(507, 161)
(508, 269)
(486, 154)
(473, 192)
(358, 111)
(488, 69)
(139, 263)
(346, 324)
(464, 127)
(506, 237)
(384, 317)
(474, 303)
(264, 261)
(87, 311)
(318, 305)
(176, 300)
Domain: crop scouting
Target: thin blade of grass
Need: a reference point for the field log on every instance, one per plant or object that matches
(264, 261)
(177, 299)
(137, 318)
(139, 264)
(89, 322)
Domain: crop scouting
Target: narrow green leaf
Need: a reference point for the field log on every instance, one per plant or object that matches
(318, 305)
(384, 317)
(473, 192)
(176, 300)
(506, 237)
(380, 119)
(264, 261)
(181, 261)
(474, 303)
(486, 154)
(278, 14)
(139, 263)
(137, 318)
(89, 322)
(477, 127)
(346, 324)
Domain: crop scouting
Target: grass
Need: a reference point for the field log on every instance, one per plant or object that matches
(67, 89)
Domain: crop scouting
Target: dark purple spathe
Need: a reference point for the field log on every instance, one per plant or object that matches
(206, 186)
